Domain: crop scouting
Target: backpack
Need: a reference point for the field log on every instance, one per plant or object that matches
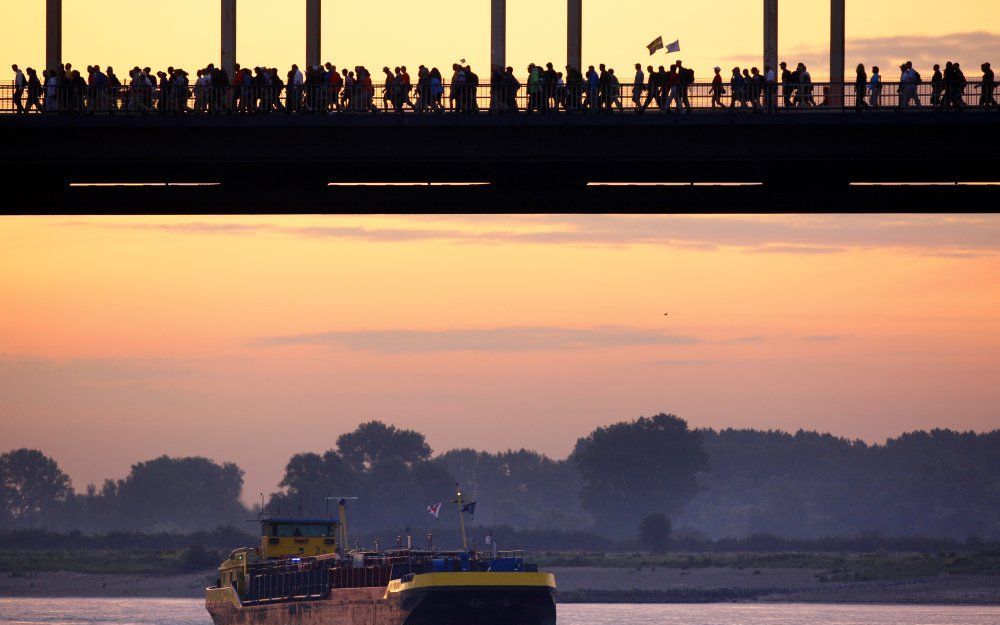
(916, 77)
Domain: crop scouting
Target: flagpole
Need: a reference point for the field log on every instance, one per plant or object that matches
(461, 516)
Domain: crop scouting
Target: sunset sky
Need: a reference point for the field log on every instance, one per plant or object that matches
(185, 33)
(249, 339)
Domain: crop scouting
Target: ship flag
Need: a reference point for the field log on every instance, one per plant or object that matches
(674, 47)
(656, 44)
(470, 508)
(435, 509)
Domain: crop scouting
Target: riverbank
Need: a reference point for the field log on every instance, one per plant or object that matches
(591, 585)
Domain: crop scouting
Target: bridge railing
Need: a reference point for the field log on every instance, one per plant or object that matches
(484, 98)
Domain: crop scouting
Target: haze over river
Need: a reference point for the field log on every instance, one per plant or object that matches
(72, 611)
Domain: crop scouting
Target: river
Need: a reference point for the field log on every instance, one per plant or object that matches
(192, 612)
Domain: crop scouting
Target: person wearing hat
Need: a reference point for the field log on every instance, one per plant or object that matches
(717, 89)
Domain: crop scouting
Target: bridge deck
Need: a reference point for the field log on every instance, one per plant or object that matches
(285, 163)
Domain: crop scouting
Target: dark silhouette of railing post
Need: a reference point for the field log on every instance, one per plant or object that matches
(313, 31)
(838, 19)
(574, 34)
(498, 33)
(771, 34)
(53, 34)
(228, 35)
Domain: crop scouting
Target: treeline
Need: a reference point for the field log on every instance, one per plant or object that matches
(805, 485)
(681, 487)
(572, 546)
(223, 538)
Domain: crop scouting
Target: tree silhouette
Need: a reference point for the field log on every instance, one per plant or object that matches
(374, 441)
(636, 468)
(31, 484)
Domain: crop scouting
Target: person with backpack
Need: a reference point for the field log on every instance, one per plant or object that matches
(736, 87)
(937, 86)
(986, 100)
(915, 81)
(614, 91)
(673, 91)
(511, 85)
(114, 89)
(958, 92)
(717, 89)
(35, 91)
(875, 87)
(685, 78)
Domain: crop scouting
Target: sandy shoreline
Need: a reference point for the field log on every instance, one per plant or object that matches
(591, 585)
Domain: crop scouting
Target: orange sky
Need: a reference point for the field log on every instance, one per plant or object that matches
(249, 339)
(185, 33)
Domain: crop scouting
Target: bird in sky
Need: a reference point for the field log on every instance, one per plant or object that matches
(666, 314)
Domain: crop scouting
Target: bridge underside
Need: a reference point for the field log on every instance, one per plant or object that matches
(713, 162)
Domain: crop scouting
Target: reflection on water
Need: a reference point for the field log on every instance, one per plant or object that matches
(192, 612)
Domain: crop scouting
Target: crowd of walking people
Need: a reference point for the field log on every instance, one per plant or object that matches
(325, 89)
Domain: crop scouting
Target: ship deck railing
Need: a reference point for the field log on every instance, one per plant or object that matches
(308, 578)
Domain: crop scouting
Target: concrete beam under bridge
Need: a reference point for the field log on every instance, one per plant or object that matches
(498, 33)
(228, 35)
(574, 34)
(771, 34)
(53, 34)
(313, 31)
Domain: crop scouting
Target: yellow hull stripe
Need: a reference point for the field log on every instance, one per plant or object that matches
(426, 580)
(469, 578)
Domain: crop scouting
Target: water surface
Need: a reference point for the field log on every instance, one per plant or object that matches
(192, 612)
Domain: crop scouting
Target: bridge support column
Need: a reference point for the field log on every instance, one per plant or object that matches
(498, 33)
(53, 34)
(228, 36)
(771, 35)
(838, 20)
(313, 30)
(574, 34)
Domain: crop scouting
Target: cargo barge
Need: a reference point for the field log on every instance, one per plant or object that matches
(301, 574)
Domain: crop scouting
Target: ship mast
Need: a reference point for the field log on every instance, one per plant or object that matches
(461, 515)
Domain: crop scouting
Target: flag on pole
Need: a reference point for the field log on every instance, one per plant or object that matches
(489, 538)
(674, 47)
(657, 44)
(470, 508)
(435, 509)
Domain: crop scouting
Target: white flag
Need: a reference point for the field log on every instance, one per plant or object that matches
(489, 538)
(435, 509)
(674, 47)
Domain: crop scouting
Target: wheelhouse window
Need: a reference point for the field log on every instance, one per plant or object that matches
(297, 530)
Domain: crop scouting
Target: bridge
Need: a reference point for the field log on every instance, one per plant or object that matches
(796, 158)
(802, 161)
